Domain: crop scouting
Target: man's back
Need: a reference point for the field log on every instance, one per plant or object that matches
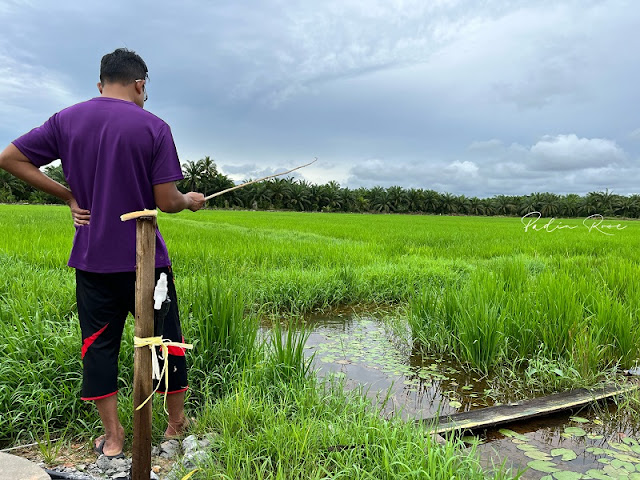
(112, 153)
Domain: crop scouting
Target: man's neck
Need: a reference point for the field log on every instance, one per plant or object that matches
(119, 92)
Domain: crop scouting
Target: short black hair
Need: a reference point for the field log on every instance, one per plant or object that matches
(123, 66)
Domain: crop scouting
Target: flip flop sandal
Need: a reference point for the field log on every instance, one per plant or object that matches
(100, 451)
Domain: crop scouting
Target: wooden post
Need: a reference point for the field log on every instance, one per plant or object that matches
(142, 369)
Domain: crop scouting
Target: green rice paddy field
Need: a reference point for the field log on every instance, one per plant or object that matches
(498, 296)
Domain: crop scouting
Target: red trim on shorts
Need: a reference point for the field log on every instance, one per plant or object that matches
(175, 391)
(100, 397)
(89, 340)
(176, 351)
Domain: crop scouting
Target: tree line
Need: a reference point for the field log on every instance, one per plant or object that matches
(299, 195)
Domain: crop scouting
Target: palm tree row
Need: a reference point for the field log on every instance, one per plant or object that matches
(290, 194)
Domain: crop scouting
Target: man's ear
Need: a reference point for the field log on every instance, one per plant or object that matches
(99, 87)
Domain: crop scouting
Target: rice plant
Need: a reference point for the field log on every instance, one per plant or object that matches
(480, 288)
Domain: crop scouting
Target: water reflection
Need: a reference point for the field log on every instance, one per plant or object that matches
(367, 354)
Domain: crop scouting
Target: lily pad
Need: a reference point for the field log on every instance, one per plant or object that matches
(565, 453)
(472, 439)
(544, 466)
(629, 441)
(567, 475)
(575, 431)
(537, 455)
(615, 472)
(596, 450)
(579, 419)
(598, 475)
(620, 446)
(593, 436)
(455, 404)
(510, 433)
(628, 466)
(626, 458)
(525, 447)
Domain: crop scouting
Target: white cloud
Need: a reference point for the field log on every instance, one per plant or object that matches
(27, 90)
(568, 152)
(462, 169)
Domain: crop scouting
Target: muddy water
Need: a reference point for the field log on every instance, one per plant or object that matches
(365, 353)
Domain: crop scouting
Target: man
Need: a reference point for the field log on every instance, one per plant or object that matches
(117, 158)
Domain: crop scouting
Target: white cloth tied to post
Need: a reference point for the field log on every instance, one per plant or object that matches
(159, 296)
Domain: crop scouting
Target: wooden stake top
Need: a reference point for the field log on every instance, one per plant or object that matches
(139, 214)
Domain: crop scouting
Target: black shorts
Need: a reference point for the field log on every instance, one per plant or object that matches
(104, 300)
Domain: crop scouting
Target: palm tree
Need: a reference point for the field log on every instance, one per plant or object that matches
(604, 202)
(464, 204)
(527, 204)
(628, 206)
(448, 203)
(398, 199)
(332, 196)
(12, 188)
(280, 192)
(261, 195)
(570, 205)
(550, 205)
(432, 201)
(347, 199)
(299, 196)
(56, 173)
(504, 205)
(415, 200)
(476, 206)
(379, 200)
(192, 175)
(361, 196)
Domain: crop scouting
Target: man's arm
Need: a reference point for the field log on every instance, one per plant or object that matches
(169, 199)
(13, 161)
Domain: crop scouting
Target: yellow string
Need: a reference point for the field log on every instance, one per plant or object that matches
(190, 474)
(164, 345)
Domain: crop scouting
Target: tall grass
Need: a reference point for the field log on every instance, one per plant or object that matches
(316, 431)
(508, 310)
(481, 288)
(286, 360)
(224, 338)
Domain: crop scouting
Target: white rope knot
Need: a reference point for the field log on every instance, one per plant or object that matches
(157, 374)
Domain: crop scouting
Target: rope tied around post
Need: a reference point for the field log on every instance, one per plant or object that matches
(164, 345)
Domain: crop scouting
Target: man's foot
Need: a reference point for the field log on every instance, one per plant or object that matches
(110, 447)
(176, 430)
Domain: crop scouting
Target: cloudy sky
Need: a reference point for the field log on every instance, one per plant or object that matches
(474, 97)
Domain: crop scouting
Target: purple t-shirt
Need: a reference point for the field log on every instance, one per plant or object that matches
(112, 153)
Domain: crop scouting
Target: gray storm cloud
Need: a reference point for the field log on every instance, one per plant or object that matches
(477, 98)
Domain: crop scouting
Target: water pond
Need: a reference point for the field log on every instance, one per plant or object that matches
(377, 356)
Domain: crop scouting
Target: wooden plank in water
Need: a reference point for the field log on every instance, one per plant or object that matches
(491, 416)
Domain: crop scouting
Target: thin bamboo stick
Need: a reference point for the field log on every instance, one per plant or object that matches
(258, 180)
